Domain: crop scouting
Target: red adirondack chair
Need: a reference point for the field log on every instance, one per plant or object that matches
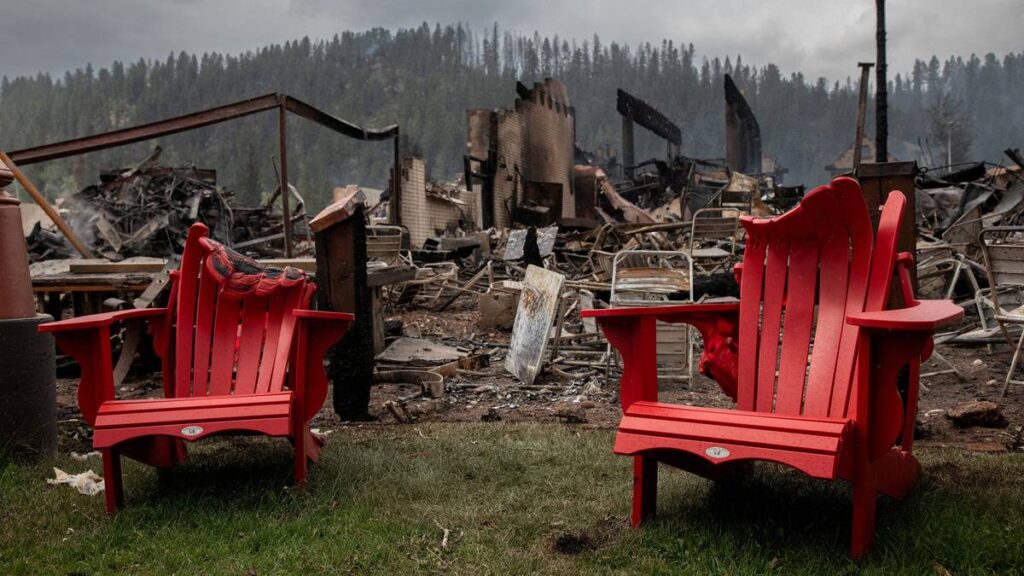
(810, 275)
(240, 352)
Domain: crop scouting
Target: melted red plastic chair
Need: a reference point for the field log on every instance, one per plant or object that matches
(831, 409)
(241, 353)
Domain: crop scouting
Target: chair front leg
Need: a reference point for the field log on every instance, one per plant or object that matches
(113, 490)
(645, 489)
(865, 503)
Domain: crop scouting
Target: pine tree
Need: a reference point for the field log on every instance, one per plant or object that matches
(425, 78)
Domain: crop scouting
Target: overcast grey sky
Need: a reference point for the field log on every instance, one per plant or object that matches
(817, 37)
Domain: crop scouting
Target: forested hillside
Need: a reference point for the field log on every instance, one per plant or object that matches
(425, 78)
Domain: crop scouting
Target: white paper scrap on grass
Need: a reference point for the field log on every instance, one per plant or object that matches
(88, 482)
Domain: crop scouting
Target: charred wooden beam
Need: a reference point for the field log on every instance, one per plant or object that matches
(742, 132)
(646, 116)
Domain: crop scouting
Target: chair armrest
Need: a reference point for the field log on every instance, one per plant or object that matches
(316, 316)
(87, 340)
(633, 332)
(318, 330)
(925, 316)
(894, 339)
(100, 320)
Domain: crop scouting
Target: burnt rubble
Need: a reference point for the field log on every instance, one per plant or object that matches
(146, 211)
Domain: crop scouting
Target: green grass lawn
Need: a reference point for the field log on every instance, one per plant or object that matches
(515, 499)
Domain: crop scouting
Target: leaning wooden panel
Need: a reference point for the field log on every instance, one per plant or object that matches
(217, 328)
(840, 417)
(538, 304)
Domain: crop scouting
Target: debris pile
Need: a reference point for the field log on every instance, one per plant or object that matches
(957, 213)
(955, 206)
(146, 211)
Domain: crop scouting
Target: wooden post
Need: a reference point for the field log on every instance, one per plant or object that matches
(876, 181)
(396, 186)
(340, 235)
(881, 88)
(628, 160)
(862, 108)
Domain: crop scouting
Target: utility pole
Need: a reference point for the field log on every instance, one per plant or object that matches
(862, 108)
(881, 95)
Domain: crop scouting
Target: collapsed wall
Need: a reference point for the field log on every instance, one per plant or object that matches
(429, 211)
(525, 154)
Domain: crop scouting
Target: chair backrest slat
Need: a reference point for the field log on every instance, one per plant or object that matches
(771, 323)
(751, 291)
(796, 334)
(250, 343)
(1006, 262)
(714, 224)
(186, 286)
(1003, 252)
(271, 342)
(225, 345)
(384, 243)
(858, 225)
(286, 327)
(206, 309)
(833, 281)
(886, 404)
